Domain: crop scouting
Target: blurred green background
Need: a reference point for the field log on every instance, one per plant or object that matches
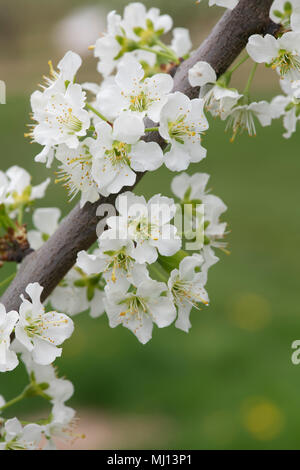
(229, 383)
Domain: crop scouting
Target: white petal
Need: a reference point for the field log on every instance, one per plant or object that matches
(146, 156)
(202, 73)
(128, 128)
(262, 49)
(46, 219)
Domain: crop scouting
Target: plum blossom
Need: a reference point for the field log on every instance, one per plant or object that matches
(186, 285)
(241, 117)
(147, 225)
(18, 438)
(192, 190)
(68, 68)
(287, 13)
(282, 54)
(79, 291)
(181, 42)
(182, 122)
(8, 321)
(19, 191)
(215, 230)
(137, 21)
(114, 258)
(189, 188)
(59, 111)
(288, 107)
(139, 307)
(75, 171)
(218, 98)
(118, 152)
(41, 332)
(201, 74)
(61, 426)
(58, 390)
(131, 93)
(124, 36)
(45, 221)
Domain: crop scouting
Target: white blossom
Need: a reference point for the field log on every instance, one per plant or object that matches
(282, 53)
(8, 358)
(61, 118)
(18, 438)
(19, 190)
(141, 306)
(61, 426)
(118, 153)
(182, 122)
(58, 390)
(288, 107)
(181, 42)
(114, 259)
(219, 100)
(45, 220)
(202, 73)
(75, 171)
(241, 117)
(137, 16)
(214, 229)
(79, 292)
(281, 13)
(147, 225)
(186, 285)
(131, 93)
(41, 332)
(193, 187)
(123, 36)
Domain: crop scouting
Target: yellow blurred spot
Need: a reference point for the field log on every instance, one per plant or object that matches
(250, 312)
(263, 419)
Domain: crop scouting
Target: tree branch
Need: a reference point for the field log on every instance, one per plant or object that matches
(77, 232)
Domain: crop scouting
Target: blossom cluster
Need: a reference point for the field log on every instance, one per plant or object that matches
(151, 262)
(139, 274)
(280, 53)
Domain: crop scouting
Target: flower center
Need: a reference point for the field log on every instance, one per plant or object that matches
(285, 62)
(142, 229)
(39, 326)
(241, 120)
(179, 129)
(120, 261)
(140, 102)
(134, 306)
(183, 291)
(119, 154)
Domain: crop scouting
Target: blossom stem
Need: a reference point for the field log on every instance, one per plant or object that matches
(239, 63)
(91, 108)
(20, 214)
(167, 49)
(13, 401)
(250, 79)
(151, 129)
(160, 53)
(7, 280)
